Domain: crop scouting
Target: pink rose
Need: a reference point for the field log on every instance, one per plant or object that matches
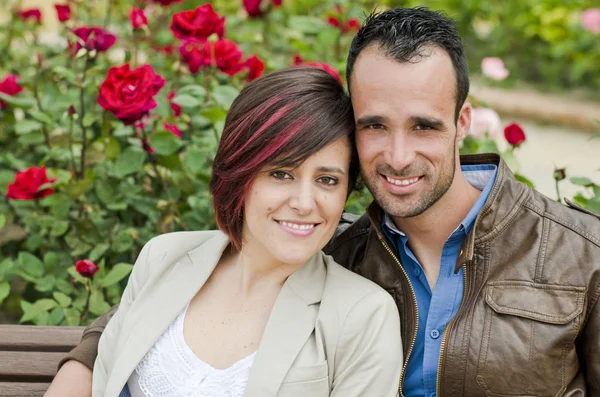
(484, 120)
(494, 69)
(590, 20)
(94, 38)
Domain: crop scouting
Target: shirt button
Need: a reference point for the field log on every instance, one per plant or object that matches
(417, 271)
(434, 334)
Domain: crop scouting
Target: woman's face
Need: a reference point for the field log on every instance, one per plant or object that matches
(291, 213)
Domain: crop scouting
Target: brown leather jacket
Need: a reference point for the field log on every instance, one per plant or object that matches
(529, 322)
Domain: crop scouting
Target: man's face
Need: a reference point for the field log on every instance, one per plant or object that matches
(405, 130)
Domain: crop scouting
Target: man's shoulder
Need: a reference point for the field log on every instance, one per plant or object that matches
(570, 218)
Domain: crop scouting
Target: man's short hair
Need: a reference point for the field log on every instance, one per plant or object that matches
(405, 35)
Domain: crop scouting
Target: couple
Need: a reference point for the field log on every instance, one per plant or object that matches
(497, 286)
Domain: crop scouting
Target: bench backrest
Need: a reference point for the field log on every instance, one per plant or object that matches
(29, 356)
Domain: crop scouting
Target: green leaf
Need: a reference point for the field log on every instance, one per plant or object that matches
(526, 181)
(72, 316)
(116, 274)
(98, 251)
(18, 101)
(89, 119)
(71, 270)
(123, 240)
(41, 116)
(65, 73)
(305, 24)
(195, 160)
(44, 304)
(186, 101)
(129, 161)
(197, 91)
(165, 143)
(594, 205)
(224, 95)
(2, 221)
(59, 228)
(56, 316)
(4, 290)
(26, 126)
(62, 299)
(29, 312)
(45, 284)
(214, 114)
(31, 264)
(98, 305)
(581, 181)
(32, 138)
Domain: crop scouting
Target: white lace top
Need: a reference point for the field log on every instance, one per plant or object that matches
(171, 369)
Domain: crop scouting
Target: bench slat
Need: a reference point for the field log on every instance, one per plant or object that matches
(38, 338)
(34, 364)
(19, 389)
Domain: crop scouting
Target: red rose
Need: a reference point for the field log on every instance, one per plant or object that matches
(129, 94)
(27, 184)
(197, 25)
(255, 67)
(333, 21)
(514, 134)
(63, 12)
(9, 86)
(86, 268)
(172, 128)
(352, 24)
(138, 18)
(166, 2)
(253, 7)
(95, 38)
(276, 3)
(298, 61)
(33, 14)
(224, 54)
(174, 107)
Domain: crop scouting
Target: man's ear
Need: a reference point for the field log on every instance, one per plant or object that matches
(464, 121)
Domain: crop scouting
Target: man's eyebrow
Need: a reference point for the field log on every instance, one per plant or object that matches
(371, 119)
(428, 121)
(333, 170)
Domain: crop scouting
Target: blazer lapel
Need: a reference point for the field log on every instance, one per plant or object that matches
(164, 304)
(290, 324)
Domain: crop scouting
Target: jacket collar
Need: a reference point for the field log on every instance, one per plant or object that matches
(501, 207)
(290, 324)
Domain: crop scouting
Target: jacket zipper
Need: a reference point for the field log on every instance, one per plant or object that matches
(412, 344)
(445, 334)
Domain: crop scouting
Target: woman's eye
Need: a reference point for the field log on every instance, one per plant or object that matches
(281, 175)
(328, 180)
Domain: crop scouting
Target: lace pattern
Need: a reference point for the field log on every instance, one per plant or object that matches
(170, 368)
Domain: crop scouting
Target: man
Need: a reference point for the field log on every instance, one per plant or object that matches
(497, 285)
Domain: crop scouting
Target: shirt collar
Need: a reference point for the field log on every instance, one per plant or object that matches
(481, 177)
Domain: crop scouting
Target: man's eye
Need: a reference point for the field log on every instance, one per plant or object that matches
(328, 180)
(281, 175)
(376, 127)
(423, 127)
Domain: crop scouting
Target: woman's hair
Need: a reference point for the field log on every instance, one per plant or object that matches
(280, 119)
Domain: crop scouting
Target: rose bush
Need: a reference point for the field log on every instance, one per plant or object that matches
(107, 133)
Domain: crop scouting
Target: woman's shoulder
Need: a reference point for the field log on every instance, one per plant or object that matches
(347, 288)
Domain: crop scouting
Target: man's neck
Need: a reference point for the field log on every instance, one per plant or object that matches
(427, 233)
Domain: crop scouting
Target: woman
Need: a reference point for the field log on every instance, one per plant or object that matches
(256, 309)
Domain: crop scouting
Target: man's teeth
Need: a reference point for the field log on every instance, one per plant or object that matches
(403, 182)
(297, 226)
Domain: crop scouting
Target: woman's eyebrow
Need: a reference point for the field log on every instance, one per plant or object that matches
(333, 170)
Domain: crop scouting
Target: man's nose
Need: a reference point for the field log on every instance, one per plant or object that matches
(400, 152)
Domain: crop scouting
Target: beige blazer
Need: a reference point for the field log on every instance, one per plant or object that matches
(331, 332)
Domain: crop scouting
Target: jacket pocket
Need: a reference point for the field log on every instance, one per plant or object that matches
(306, 381)
(527, 344)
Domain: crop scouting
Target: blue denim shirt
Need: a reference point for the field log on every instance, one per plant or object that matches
(437, 307)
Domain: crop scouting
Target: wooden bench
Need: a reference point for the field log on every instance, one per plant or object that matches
(29, 356)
